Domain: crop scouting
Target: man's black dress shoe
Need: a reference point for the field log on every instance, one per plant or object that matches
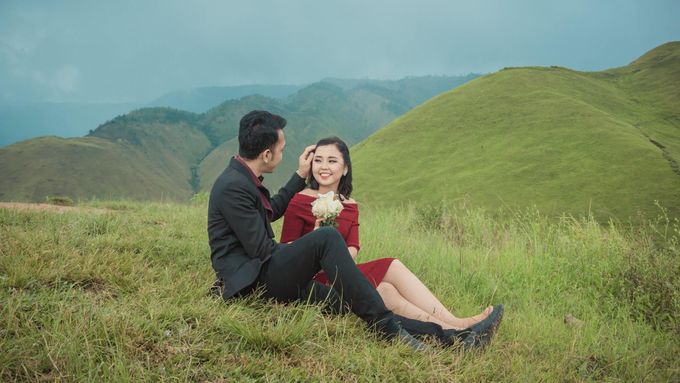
(483, 331)
(404, 337)
(216, 289)
(455, 337)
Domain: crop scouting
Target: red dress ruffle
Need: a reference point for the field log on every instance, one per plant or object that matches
(299, 220)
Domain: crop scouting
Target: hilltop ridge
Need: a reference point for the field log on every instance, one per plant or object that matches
(561, 140)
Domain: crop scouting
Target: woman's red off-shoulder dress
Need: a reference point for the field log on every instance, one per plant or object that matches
(299, 220)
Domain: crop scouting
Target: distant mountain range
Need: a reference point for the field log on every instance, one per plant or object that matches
(165, 153)
(23, 121)
(560, 140)
(199, 100)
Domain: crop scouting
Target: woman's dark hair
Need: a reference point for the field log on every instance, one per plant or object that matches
(345, 186)
(258, 131)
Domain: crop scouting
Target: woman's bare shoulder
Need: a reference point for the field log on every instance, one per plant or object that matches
(350, 201)
(309, 192)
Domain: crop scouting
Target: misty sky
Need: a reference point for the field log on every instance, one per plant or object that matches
(114, 51)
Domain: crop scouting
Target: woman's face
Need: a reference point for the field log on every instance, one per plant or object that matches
(328, 166)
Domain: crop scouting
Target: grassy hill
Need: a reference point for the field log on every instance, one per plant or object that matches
(146, 154)
(23, 121)
(162, 152)
(120, 295)
(565, 141)
(83, 168)
(171, 140)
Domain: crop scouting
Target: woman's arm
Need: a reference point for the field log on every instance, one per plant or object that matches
(353, 251)
(293, 226)
(352, 238)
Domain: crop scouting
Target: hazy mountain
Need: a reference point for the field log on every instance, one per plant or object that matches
(169, 153)
(316, 111)
(199, 100)
(28, 120)
(564, 141)
(411, 90)
(22, 121)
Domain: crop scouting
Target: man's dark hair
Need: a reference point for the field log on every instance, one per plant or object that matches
(345, 186)
(258, 131)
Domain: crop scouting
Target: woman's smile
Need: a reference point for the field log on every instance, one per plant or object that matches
(327, 166)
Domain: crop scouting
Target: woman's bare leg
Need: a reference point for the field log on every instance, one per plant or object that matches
(414, 291)
(400, 306)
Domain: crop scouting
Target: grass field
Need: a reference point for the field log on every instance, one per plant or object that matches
(120, 295)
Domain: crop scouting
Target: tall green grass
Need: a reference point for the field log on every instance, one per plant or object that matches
(122, 296)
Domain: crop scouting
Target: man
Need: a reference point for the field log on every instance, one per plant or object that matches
(244, 254)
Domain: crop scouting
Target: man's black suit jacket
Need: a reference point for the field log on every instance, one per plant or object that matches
(239, 230)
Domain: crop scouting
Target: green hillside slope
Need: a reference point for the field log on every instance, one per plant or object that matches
(215, 162)
(148, 154)
(171, 140)
(81, 168)
(561, 140)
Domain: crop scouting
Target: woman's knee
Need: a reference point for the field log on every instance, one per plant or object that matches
(389, 294)
(387, 289)
(399, 267)
(394, 268)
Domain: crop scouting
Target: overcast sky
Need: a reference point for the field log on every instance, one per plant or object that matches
(103, 51)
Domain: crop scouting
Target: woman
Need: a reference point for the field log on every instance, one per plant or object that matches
(400, 289)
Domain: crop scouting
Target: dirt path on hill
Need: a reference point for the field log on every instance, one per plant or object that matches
(48, 207)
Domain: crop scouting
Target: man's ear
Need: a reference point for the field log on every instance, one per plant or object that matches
(267, 156)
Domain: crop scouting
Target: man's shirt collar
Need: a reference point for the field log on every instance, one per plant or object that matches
(256, 179)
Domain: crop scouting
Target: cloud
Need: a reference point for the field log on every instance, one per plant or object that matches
(137, 50)
(65, 79)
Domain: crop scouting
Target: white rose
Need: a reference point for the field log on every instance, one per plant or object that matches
(326, 206)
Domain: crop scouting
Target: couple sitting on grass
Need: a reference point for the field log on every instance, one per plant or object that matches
(315, 263)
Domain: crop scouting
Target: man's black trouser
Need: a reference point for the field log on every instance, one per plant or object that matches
(287, 277)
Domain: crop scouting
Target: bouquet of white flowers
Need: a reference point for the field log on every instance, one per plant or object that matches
(327, 208)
